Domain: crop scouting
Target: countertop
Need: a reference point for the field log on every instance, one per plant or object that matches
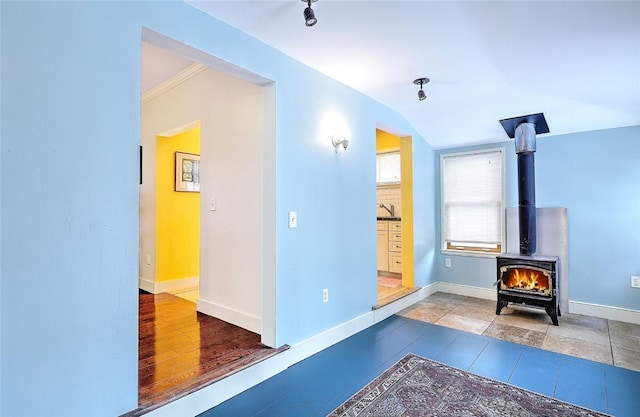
(395, 219)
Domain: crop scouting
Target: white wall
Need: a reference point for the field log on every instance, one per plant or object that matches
(230, 112)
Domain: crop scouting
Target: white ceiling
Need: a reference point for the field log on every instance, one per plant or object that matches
(576, 61)
(159, 65)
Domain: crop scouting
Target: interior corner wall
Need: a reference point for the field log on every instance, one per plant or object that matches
(177, 253)
(386, 141)
(230, 114)
(594, 175)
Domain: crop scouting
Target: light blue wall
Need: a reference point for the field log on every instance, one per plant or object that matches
(70, 135)
(70, 98)
(424, 216)
(595, 175)
(1, 234)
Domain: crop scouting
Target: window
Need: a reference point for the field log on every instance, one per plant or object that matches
(388, 167)
(472, 201)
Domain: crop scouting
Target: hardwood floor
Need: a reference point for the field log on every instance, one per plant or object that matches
(181, 350)
(390, 289)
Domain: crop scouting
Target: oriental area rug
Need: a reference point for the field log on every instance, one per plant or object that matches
(419, 387)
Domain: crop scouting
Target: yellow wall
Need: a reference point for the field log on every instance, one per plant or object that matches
(177, 213)
(406, 191)
(386, 141)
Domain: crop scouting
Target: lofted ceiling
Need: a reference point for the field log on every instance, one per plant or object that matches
(576, 61)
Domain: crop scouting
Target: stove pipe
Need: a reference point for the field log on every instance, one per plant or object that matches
(525, 136)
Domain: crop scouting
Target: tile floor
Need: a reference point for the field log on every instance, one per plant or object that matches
(317, 385)
(601, 340)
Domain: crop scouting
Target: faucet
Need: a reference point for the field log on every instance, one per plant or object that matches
(391, 210)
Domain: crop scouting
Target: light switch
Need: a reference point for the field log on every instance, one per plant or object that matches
(212, 206)
(293, 220)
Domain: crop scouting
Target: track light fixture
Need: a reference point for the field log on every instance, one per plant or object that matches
(421, 94)
(309, 15)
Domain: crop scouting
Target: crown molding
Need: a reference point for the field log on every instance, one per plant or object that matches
(172, 82)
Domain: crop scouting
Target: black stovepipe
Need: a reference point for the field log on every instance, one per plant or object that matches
(527, 203)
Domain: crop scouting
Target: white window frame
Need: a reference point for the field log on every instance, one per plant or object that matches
(387, 153)
(469, 252)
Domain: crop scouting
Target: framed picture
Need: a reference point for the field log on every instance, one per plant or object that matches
(187, 172)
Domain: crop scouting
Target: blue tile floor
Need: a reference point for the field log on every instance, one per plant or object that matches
(317, 385)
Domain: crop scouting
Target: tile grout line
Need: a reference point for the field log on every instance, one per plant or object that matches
(613, 358)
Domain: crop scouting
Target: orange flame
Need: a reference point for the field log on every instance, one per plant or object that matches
(526, 279)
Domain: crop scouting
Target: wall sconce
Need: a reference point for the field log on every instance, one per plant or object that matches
(336, 130)
(337, 140)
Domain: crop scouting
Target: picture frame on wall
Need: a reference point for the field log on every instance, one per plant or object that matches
(187, 172)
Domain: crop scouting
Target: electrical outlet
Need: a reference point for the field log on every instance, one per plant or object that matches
(635, 281)
(447, 262)
(148, 259)
(325, 295)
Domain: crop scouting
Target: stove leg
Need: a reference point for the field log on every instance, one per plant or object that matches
(500, 306)
(553, 313)
(559, 312)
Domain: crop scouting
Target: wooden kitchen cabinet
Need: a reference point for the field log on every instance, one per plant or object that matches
(390, 246)
(383, 246)
(395, 247)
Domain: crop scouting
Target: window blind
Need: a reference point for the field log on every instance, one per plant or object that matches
(388, 167)
(472, 198)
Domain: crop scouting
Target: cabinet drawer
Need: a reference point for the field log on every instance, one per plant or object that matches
(395, 236)
(395, 246)
(395, 262)
(383, 225)
(395, 226)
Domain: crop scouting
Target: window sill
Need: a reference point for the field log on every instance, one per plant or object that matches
(395, 184)
(469, 253)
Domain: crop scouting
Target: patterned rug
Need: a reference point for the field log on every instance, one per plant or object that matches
(418, 387)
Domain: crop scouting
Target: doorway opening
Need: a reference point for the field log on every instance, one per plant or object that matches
(176, 236)
(394, 211)
(226, 118)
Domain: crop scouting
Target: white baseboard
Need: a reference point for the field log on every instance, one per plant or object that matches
(467, 290)
(404, 302)
(173, 286)
(575, 307)
(605, 312)
(230, 315)
(146, 284)
(214, 394)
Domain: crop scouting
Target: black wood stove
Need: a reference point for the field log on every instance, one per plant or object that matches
(525, 278)
(528, 280)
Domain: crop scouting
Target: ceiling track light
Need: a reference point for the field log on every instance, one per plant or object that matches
(420, 81)
(309, 15)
